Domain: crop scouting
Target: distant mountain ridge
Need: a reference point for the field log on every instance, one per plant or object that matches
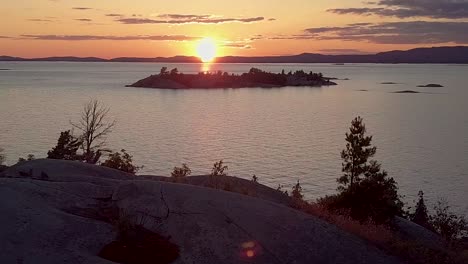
(455, 55)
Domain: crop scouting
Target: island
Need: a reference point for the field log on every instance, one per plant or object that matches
(407, 92)
(257, 78)
(431, 85)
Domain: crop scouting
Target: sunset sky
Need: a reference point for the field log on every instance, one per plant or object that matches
(149, 28)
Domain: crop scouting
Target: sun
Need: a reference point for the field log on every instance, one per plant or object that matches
(206, 49)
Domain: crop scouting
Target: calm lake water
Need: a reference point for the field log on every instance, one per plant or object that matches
(281, 135)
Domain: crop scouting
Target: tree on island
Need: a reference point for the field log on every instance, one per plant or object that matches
(95, 128)
(365, 191)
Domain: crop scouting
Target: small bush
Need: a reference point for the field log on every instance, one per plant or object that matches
(2, 157)
(181, 172)
(219, 169)
(255, 178)
(28, 158)
(296, 192)
(448, 224)
(121, 161)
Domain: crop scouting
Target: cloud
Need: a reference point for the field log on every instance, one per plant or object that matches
(4, 37)
(40, 20)
(237, 46)
(449, 9)
(84, 19)
(114, 15)
(82, 8)
(178, 19)
(342, 51)
(413, 32)
(115, 38)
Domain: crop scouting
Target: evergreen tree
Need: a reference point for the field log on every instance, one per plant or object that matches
(420, 216)
(366, 191)
(66, 148)
(356, 155)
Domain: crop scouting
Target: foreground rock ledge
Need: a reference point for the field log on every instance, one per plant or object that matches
(57, 213)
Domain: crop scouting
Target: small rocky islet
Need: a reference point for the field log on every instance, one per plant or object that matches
(255, 78)
(431, 85)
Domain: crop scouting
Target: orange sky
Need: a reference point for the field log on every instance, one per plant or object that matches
(149, 28)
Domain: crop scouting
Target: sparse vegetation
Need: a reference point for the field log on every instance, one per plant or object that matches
(449, 225)
(255, 178)
(28, 158)
(121, 161)
(95, 127)
(181, 172)
(296, 191)
(219, 169)
(2, 157)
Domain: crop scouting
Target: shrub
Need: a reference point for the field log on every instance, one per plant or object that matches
(2, 157)
(255, 178)
(296, 192)
(448, 224)
(219, 169)
(28, 158)
(181, 172)
(121, 161)
(66, 148)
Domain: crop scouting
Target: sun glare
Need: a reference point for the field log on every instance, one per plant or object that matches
(206, 49)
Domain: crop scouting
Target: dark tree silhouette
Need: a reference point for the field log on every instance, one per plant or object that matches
(2, 157)
(121, 161)
(28, 158)
(66, 148)
(365, 191)
(296, 192)
(219, 169)
(356, 155)
(448, 224)
(95, 128)
(420, 215)
(181, 172)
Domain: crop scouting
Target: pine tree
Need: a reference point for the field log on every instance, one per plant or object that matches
(66, 148)
(356, 155)
(420, 216)
(365, 190)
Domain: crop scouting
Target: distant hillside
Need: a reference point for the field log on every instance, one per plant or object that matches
(419, 55)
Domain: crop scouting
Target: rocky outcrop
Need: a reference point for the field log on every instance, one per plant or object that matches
(431, 85)
(65, 219)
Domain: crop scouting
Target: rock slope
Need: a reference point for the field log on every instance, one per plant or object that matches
(57, 212)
